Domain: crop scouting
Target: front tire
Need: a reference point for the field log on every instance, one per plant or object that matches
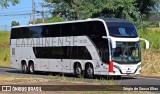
(89, 72)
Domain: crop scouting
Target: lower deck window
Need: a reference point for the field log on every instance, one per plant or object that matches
(65, 52)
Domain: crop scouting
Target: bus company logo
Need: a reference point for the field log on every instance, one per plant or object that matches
(6, 88)
(57, 41)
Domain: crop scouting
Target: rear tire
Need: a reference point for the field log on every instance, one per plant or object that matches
(31, 68)
(24, 68)
(78, 70)
(89, 72)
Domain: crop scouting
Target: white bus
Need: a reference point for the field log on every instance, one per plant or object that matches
(108, 46)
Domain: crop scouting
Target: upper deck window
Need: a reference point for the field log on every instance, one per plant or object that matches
(121, 29)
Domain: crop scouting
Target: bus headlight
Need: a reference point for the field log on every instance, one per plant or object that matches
(138, 67)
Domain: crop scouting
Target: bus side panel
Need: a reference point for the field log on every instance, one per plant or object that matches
(26, 52)
(15, 57)
(59, 65)
(37, 64)
(53, 65)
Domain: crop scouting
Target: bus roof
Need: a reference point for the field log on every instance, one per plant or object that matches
(94, 19)
(115, 20)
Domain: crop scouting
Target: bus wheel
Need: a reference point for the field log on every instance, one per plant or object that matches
(24, 68)
(78, 70)
(89, 72)
(31, 68)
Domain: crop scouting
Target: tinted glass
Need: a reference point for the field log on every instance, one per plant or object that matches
(35, 31)
(48, 52)
(15, 33)
(78, 29)
(25, 33)
(65, 52)
(66, 30)
(120, 29)
(95, 31)
(54, 31)
(126, 52)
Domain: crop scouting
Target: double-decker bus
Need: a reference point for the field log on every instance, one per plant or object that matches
(108, 46)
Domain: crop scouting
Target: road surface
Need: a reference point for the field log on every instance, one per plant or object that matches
(122, 81)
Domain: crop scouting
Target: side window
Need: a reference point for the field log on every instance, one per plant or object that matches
(66, 54)
(91, 31)
(15, 33)
(45, 32)
(35, 31)
(80, 52)
(57, 52)
(96, 29)
(38, 51)
(74, 52)
(54, 31)
(48, 52)
(78, 29)
(25, 32)
(83, 53)
(66, 29)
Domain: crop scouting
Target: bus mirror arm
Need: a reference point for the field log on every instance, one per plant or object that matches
(146, 42)
(111, 40)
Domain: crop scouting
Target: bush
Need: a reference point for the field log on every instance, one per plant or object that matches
(152, 36)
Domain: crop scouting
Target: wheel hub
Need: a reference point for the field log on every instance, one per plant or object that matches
(78, 70)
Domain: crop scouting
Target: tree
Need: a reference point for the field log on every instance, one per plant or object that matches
(54, 19)
(147, 6)
(82, 9)
(112, 8)
(49, 20)
(67, 9)
(14, 23)
(5, 3)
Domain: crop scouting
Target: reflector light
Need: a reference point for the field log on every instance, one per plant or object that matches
(111, 66)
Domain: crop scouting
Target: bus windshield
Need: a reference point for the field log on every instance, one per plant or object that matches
(126, 52)
(121, 29)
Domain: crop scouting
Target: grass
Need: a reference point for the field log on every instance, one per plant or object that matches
(28, 80)
(4, 48)
(81, 80)
(150, 57)
(153, 36)
(150, 63)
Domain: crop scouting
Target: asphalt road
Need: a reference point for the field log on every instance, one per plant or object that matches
(121, 81)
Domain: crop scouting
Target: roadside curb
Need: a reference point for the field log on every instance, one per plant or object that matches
(6, 67)
(149, 77)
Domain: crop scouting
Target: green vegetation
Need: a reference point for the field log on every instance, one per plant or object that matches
(15, 23)
(150, 63)
(132, 10)
(49, 20)
(150, 24)
(4, 48)
(5, 3)
(152, 36)
(150, 57)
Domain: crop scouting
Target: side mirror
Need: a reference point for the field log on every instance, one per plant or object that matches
(146, 41)
(111, 40)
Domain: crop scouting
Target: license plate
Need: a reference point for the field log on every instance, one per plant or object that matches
(128, 71)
